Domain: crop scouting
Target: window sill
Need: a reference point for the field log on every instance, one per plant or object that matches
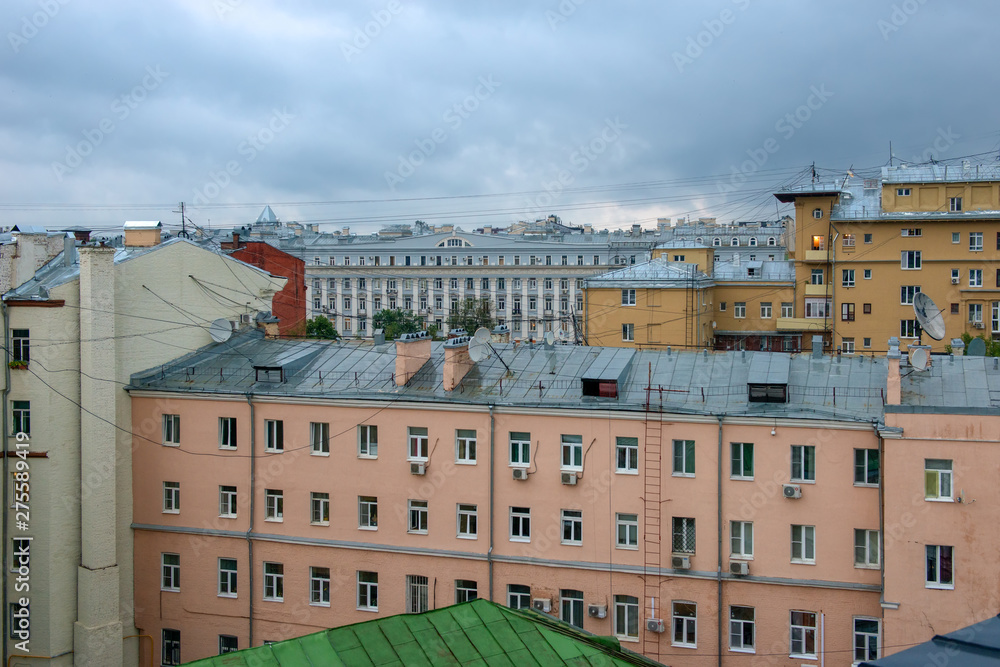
(319, 523)
(802, 657)
(626, 471)
(571, 469)
(227, 448)
(319, 604)
(274, 451)
(625, 638)
(368, 528)
(166, 444)
(227, 516)
(741, 557)
(865, 485)
(940, 500)
(370, 457)
(741, 479)
(523, 540)
(467, 537)
(170, 590)
(682, 474)
(625, 547)
(519, 465)
(465, 463)
(274, 599)
(940, 587)
(743, 650)
(319, 453)
(862, 566)
(572, 544)
(273, 520)
(801, 481)
(373, 610)
(803, 562)
(231, 596)
(416, 532)
(684, 645)
(412, 459)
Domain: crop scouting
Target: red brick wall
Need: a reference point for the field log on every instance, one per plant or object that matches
(289, 305)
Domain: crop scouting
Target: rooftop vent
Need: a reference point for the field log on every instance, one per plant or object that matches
(767, 379)
(607, 373)
(269, 373)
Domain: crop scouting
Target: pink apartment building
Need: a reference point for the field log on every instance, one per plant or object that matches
(704, 508)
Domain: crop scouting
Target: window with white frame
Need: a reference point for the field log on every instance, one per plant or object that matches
(847, 345)
(627, 531)
(739, 310)
(976, 313)
(628, 333)
(465, 445)
(171, 569)
(975, 277)
(368, 441)
(803, 544)
(319, 509)
(866, 548)
(803, 463)
(940, 566)
(227, 432)
(907, 328)
(416, 594)
(867, 645)
(955, 204)
(866, 467)
(468, 521)
(367, 591)
(817, 308)
(628, 297)
(765, 310)
(227, 577)
(907, 293)
(741, 539)
(227, 502)
(627, 455)
(683, 535)
(20, 345)
(520, 524)
(571, 607)
(937, 479)
(802, 625)
(816, 276)
(319, 438)
(741, 460)
(787, 309)
(572, 452)
(518, 596)
(275, 432)
(367, 512)
(520, 448)
(417, 513)
(910, 259)
(741, 629)
(274, 505)
(627, 617)
(274, 582)
(847, 278)
(418, 442)
(684, 616)
(572, 527)
(956, 237)
(171, 429)
(319, 586)
(868, 274)
(976, 241)
(466, 590)
(171, 644)
(171, 497)
(683, 458)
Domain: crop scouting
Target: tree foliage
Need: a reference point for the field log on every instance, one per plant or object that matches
(471, 315)
(321, 327)
(397, 322)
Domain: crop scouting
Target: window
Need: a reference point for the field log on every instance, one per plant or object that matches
(907, 328)
(368, 591)
(741, 460)
(518, 596)
(319, 437)
(628, 297)
(955, 204)
(275, 429)
(685, 624)
(866, 467)
(627, 455)
(765, 310)
(20, 345)
(319, 586)
(816, 277)
(741, 539)
(956, 237)
(227, 502)
(627, 617)
(520, 448)
(520, 524)
(976, 241)
(571, 607)
(171, 429)
(274, 582)
(912, 232)
(465, 445)
(468, 521)
(866, 342)
(368, 441)
(572, 527)
(866, 639)
(847, 312)
(868, 238)
(367, 512)
(902, 192)
(803, 544)
(975, 277)
(417, 513)
(416, 594)
(628, 332)
(716, 242)
(734, 242)
(817, 213)
(741, 629)
(910, 259)
(848, 345)
(866, 548)
(229, 643)
(171, 568)
(787, 309)
(627, 528)
(847, 278)
(906, 294)
(274, 505)
(227, 577)
(319, 509)
(803, 634)
(803, 463)
(940, 564)
(937, 479)
(171, 640)
(868, 274)
(739, 310)
(683, 458)
(417, 443)
(683, 535)
(848, 240)
(227, 432)
(572, 452)
(465, 590)
(171, 497)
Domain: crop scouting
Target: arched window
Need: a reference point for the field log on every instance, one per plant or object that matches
(716, 241)
(817, 213)
(734, 242)
(699, 240)
(771, 241)
(753, 241)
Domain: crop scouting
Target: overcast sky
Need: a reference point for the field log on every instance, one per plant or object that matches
(474, 113)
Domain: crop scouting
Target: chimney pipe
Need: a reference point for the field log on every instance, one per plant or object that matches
(893, 390)
(413, 350)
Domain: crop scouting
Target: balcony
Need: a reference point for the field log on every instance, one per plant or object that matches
(802, 324)
(817, 256)
(819, 290)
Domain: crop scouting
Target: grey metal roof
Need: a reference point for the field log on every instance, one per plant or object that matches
(973, 646)
(768, 270)
(267, 216)
(928, 173)
(30, 229)
(613, 363)
(654, 273)
(953, 382)
(769, 369)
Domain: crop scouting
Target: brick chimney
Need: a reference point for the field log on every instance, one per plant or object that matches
(413, 350)
(457, 362)
(893, 390)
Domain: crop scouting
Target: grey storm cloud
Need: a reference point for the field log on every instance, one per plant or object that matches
(364, 113)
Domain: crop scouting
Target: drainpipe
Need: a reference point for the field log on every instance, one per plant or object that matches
(253, 493)
(718, 574)
(489, 553)
(881, 517)
(6, 475)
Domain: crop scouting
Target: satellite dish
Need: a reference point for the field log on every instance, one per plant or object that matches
(561, 334)
(977, 347)
(920, 359)
(482, 335)
(928, 315)
(549, 338)
(478, 350)
(220, 330)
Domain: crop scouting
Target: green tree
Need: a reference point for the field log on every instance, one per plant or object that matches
(472, 314)
(395, 323)
(321, 327)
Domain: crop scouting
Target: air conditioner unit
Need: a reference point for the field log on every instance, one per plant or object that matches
(978, 325)
(418, 468)
(568, 478)
(543, 605)
(597, 611)
(655, 625)
(955, 280)
(245, 318)
(680, 562)
(791, 490)
(739, 567)
(520, 474)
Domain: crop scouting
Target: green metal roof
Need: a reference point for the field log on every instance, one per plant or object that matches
(479, 633)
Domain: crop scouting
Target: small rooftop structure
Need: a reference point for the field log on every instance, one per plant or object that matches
(656, 273)
(142, 233)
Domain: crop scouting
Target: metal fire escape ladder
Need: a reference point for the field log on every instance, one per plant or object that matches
(652, 528)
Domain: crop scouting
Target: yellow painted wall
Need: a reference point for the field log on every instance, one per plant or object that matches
(752, 294)
(703, 257)
(659, 317)
(936, 196)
